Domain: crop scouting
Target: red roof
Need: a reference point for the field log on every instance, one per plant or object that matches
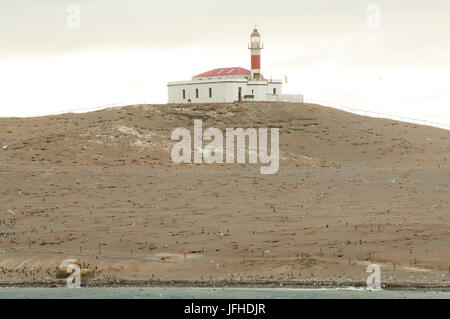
(225, 72)
(255, 33)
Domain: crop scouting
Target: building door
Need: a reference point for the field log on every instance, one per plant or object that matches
(240, 94)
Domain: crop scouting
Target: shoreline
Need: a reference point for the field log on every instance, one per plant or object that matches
(224, 284)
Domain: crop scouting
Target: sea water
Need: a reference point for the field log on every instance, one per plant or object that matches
(212, 293)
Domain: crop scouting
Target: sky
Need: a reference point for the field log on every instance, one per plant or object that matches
(383, 56)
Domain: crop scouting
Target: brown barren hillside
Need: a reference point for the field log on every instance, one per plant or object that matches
(101, 187)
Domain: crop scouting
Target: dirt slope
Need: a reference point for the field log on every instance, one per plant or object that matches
(101, 187)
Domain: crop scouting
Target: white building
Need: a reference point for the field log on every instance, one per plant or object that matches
(231, 84)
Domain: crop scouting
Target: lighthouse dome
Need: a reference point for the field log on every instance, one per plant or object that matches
(255, 33)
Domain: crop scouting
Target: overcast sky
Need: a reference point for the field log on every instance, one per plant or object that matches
(387, 56)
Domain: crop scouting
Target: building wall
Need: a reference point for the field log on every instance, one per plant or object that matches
(221, 91)
(277, 86)
(259, 91)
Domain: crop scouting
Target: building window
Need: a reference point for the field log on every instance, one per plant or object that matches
(196, 93)
(274, 91)
(210, 92)
(184, 94)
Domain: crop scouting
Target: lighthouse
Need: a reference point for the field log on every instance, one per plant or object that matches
(231, 84)
(255, 47)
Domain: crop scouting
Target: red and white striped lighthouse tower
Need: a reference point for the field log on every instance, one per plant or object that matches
(255, 49)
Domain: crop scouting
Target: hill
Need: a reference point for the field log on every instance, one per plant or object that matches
(101, 187)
